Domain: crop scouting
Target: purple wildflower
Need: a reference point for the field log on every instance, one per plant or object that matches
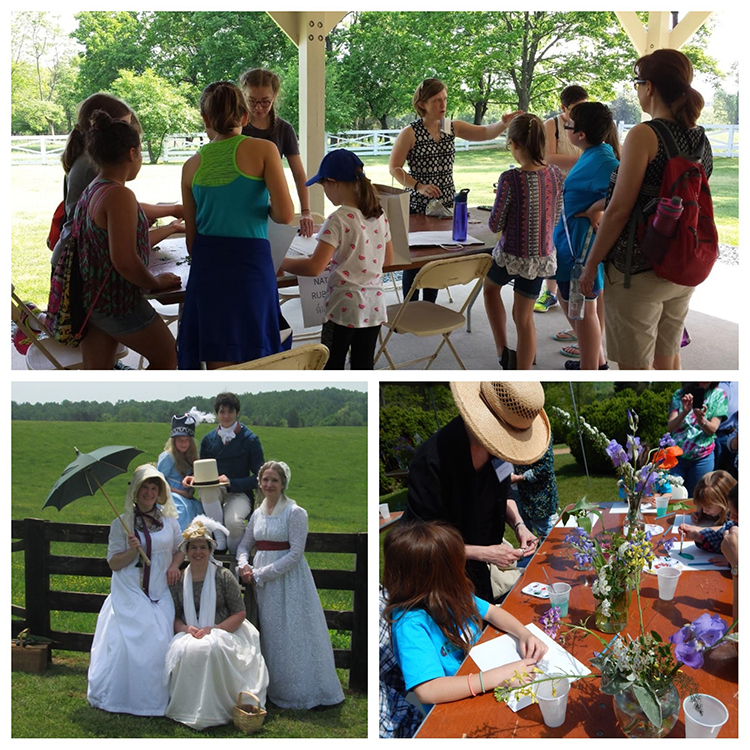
(700, 635)
(616, 452)
(666, 441)
(551, 622)
(666, 544)
(647, 480)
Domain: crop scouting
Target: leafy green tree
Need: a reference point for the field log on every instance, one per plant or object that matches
(200, 47)
(382, 58)
(113, 41)
(727, 103)
(161, 107)
(40, 66)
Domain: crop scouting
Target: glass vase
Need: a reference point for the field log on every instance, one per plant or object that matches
(617, 618)
(634, 722)
(633, 522)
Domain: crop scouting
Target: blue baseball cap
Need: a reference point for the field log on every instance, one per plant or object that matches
(341, 165)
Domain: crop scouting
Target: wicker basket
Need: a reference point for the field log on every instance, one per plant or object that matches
(248, 718)
(29, 658)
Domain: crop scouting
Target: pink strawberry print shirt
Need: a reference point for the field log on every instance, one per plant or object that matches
(355, 286)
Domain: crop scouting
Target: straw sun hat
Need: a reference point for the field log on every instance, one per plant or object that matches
(508, 419)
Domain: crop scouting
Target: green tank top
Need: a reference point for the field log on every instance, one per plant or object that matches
(228, 203)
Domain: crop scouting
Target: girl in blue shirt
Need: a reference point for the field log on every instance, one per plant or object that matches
(592, 129)
(435, 618)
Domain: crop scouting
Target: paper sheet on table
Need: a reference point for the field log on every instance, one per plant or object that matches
(623, 508)
(428, 239)
(302, 246)
(701, 557)
(504, 650)
(573, 522)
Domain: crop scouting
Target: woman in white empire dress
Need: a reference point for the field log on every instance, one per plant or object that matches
(293, 631)
(135, 623)
(215, 654)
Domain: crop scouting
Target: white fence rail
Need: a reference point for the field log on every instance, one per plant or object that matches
(46, 149)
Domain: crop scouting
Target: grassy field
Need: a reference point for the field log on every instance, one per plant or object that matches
(36, 191)
(334, 493)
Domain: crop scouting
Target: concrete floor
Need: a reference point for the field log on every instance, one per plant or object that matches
(713, 323)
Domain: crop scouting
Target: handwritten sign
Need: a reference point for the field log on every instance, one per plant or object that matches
(312, 297)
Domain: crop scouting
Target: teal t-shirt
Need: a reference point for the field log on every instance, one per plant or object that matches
(228, 203)
(422, 650)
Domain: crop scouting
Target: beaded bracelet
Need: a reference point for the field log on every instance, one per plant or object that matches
(471, 674)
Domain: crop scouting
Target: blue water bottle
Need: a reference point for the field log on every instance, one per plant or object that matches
(460, 215)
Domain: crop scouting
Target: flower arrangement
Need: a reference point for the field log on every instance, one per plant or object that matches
(644, 667)
(638, 469)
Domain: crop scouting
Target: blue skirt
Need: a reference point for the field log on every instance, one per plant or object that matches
(231, 311)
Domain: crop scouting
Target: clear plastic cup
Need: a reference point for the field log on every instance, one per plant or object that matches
(704, 716)
(662, 503)
(559, 596)
(667, 578)
(553, 700)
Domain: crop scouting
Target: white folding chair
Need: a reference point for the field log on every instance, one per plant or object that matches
(45, 353)
(422, 318)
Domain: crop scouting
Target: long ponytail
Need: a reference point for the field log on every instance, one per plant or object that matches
(367, 198)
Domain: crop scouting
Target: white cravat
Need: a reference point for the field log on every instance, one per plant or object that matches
(227, 434)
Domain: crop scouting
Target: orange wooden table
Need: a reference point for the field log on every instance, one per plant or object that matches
(590, 713)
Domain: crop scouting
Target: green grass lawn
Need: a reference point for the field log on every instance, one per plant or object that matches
(36, 191)
(334, 493)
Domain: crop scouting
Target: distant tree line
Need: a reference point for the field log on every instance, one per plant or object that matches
(327, 407)
(159, 61)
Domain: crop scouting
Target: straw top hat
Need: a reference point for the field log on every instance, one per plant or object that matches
(508, 419)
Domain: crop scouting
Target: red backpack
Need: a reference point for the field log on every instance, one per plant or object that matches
(688, 257)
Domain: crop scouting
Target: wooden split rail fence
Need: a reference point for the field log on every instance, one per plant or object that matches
(34, 536)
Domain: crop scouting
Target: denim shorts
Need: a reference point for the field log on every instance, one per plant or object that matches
(529, 288)
(133, 322)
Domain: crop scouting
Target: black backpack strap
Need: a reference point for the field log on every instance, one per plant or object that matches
(665, 135)
(557, 129)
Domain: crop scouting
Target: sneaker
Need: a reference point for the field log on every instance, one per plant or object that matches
(571, 351)
(575, 364)
(120, 365)
(545, 301)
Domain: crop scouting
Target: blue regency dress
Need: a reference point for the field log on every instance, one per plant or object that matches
(187, 507)
(293, 632)
(231, 311)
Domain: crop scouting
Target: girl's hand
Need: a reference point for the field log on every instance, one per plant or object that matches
(586, 282)
(173, 574)
(522, 668)
(593, 216)
(223, 479)
(693, 533)
(531, 647)
(166, 281)
(718, 560)
(188, 481)
(429, 191)
(306, 225)
(177, 226)
(133, 541)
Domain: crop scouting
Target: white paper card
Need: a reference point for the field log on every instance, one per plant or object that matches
(302, 247)
(503, 469)
(623, 508)
(504, 650)
(312, 297)
(444, 239)
(699, 557)
(573, 522)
